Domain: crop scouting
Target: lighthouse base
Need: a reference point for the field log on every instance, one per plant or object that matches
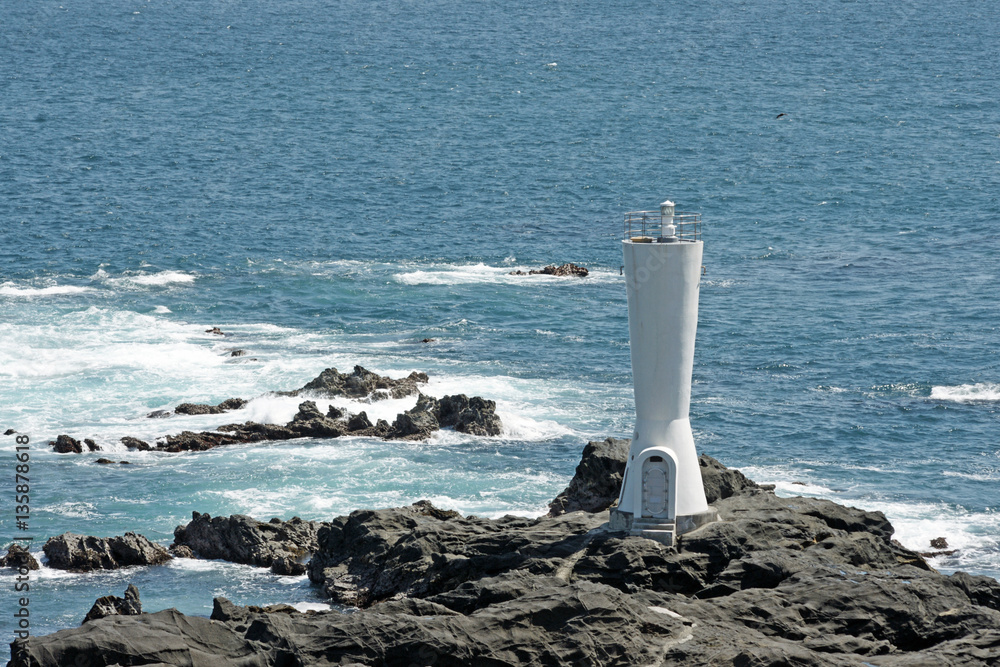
(660, 530)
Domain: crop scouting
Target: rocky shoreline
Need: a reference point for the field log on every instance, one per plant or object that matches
(473, 415)
(778, 581)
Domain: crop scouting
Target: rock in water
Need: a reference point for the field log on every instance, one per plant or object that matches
(598, 479)
(136, 443)
(361, 384)
(83, 553)
(240, 539)
(111, 605)
(568, 269)
(66, 445)
(204, 409)
(19, 558)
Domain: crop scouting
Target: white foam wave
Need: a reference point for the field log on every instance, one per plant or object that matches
(310, 606)
(14, 290)
(162, 310)
(465, 274)
(139, 279)
(967, 393)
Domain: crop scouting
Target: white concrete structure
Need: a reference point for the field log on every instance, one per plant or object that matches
(662, 494)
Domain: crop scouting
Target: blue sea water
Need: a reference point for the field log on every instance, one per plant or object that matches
(331, 183)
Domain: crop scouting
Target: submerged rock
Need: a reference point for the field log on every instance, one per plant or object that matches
(111, 605)
(84, 553)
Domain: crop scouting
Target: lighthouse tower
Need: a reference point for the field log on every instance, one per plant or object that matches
(662, 494)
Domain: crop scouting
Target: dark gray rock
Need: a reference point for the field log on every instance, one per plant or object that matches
(181, 551)
(361, 384)
(66, 445)
(9, 431)
(241, 539)
(776, 582)
(476, 415)
(721, 482)
(543, 621)
(91, 445)
(205, 409)
(164, 638)
(414, 425)
(562, 270)
(111, 605)
(309, 422)
(420, 550)
(159, 414)
(359, 422)
(135, 443)
(598, 479)
(19, 558)
(84, 553)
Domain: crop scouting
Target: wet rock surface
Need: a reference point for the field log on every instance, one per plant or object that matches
(82, 553)
(777, 581)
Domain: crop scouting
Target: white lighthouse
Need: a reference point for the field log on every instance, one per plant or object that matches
(662, 494)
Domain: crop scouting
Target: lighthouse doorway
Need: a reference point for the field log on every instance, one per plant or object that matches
(658, 486)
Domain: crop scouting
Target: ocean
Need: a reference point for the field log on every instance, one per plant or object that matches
(332, 183)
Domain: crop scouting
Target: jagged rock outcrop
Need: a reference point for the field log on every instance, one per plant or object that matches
(568, 269)
(284, 546)
(112, 605)
(361, 384)
(476, 416)
(19, 558)
(204, 409)
(83, 553)
(598, 478)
